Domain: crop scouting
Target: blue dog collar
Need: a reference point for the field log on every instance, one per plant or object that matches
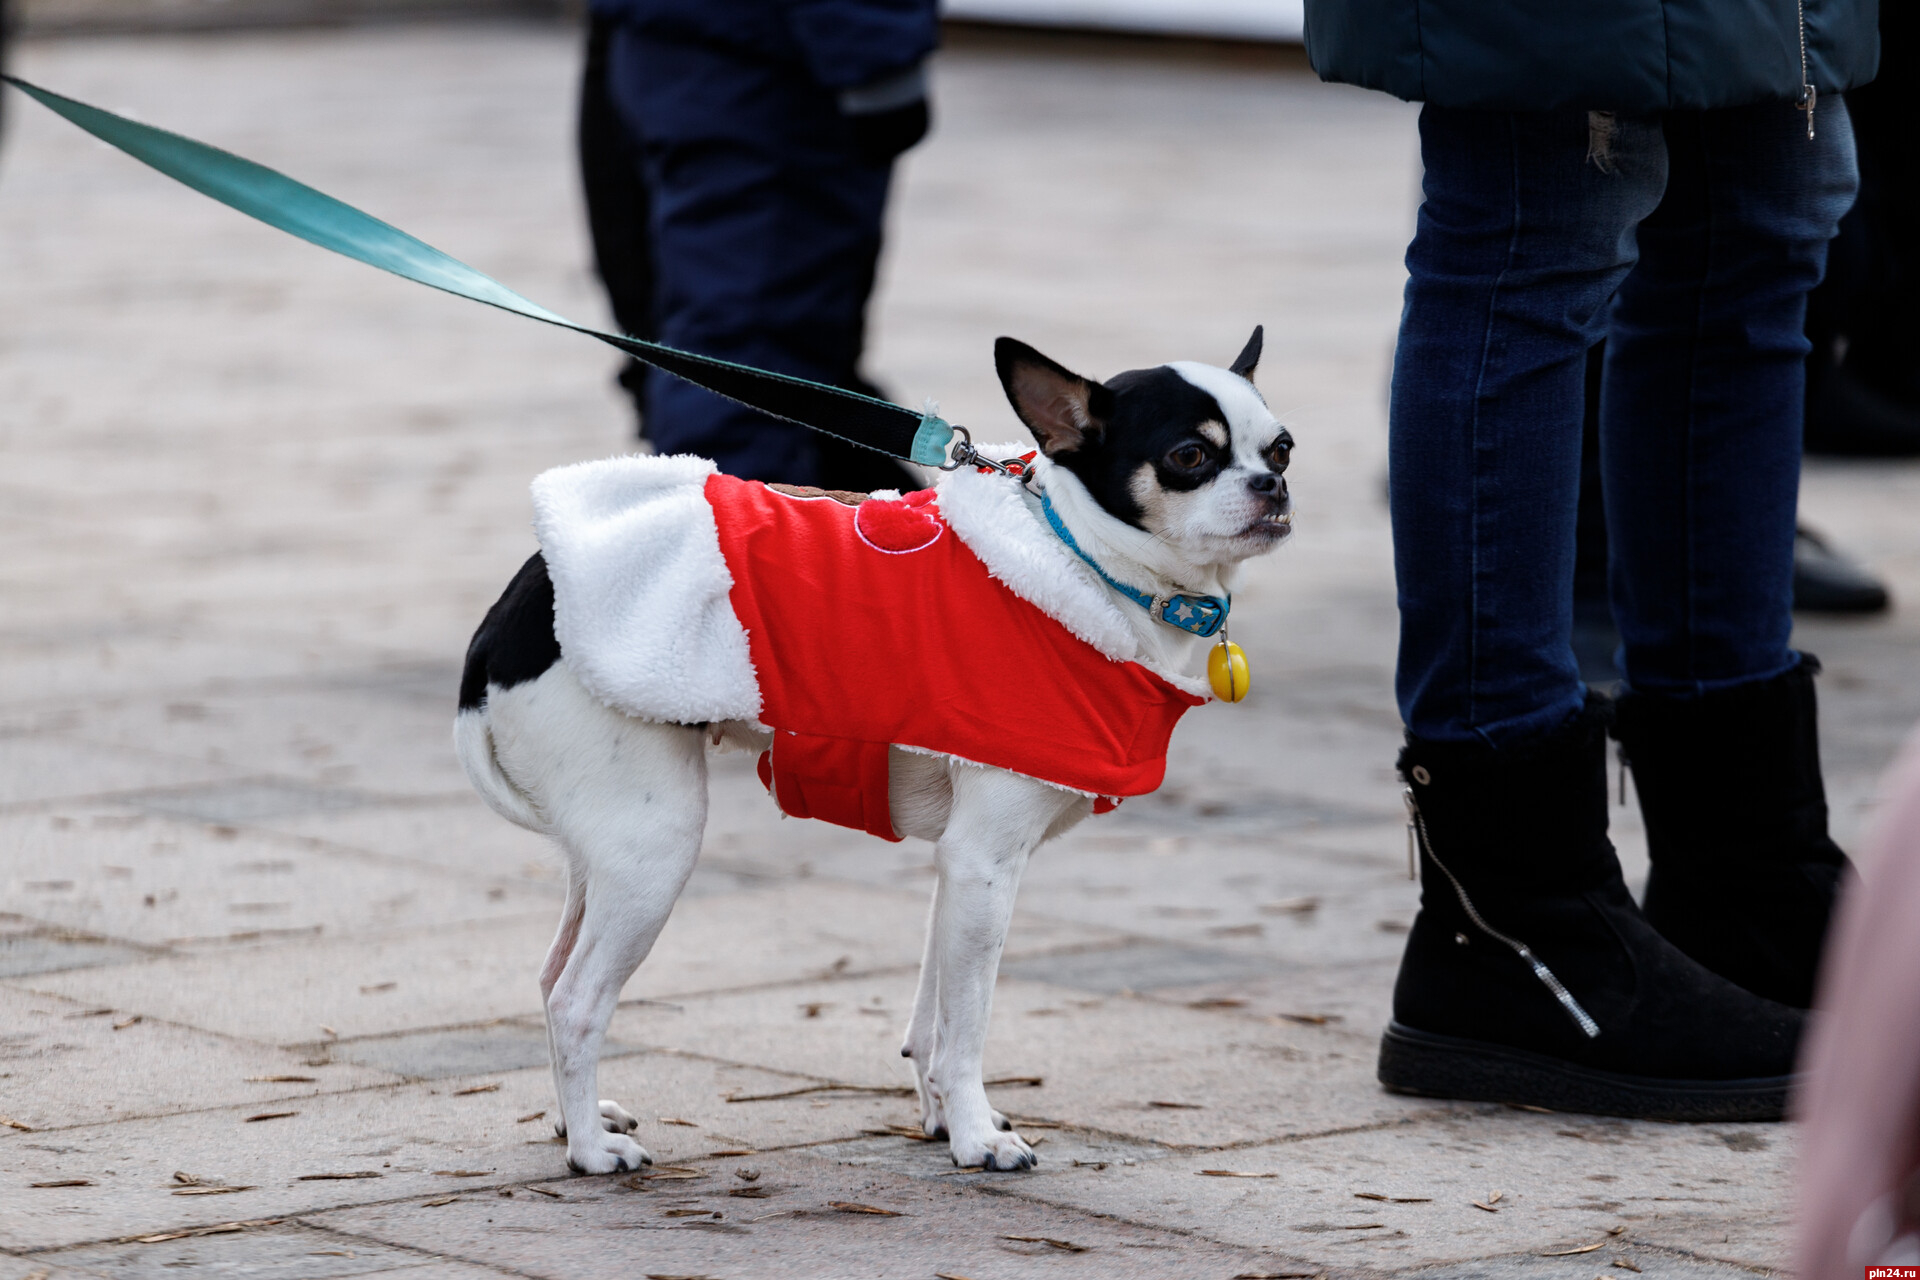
(1199, 615)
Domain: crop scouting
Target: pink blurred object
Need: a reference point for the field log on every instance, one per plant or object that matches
(1860, 1149)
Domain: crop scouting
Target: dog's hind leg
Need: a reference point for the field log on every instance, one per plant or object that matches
(919, 1045)
(997, 821)
(635, 859)
(627, 802)
(613, 1117)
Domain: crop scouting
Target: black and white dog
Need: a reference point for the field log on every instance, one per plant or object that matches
(1165, 478)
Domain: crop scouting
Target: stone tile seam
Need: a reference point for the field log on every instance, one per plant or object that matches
(190, 950)
(403, 1082)
(1010, 1191)
(362, 679)
(397, 1082)
(980, 1188)
(128, 797)
(1018, 1191)
(193, 948)
(1120, 939)
(297, 1218)
(532, 1019)
(1696, 1255)
(54, 931)
(300, 1216)
(1435, 1115)
(1254, 1144)
(1620, 1242)
(345, 852)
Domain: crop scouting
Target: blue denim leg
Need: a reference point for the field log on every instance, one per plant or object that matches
(1526, 232)
(766, 231)
(1701, 405)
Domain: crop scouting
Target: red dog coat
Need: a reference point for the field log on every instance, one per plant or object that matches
(872, 625)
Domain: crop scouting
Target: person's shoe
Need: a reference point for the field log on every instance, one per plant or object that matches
(1531, 978)
(1824, 581)
(1744, 874)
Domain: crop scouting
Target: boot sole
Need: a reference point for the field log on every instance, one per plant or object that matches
(1436, 1066)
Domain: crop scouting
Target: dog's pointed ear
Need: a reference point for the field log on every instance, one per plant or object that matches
(1249, 358)
(1061, 408)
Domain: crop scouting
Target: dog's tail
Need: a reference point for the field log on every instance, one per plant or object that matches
(473, 743)
(515, 642)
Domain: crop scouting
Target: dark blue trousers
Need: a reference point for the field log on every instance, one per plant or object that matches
(766, 234)
(1689, 242)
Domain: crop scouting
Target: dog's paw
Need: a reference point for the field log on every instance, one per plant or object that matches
(607, 1153)
(614, 1118)
(996, 1152)
(933, 1122)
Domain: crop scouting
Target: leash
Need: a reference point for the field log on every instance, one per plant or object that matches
(299, 210)
(270, 196)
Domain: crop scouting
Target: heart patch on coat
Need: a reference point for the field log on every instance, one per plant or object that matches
(900, 525)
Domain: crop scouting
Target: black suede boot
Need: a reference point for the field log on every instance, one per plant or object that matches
(1530, 976)
(1744, 873)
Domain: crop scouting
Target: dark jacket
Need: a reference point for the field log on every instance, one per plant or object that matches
(840, 44)
(1616, 55)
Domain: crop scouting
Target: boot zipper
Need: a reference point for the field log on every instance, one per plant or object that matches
(1417, 830)
(1808, 94)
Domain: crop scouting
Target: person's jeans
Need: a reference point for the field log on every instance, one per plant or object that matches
(1689, 241)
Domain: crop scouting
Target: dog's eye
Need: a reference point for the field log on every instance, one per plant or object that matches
(1278, 454)
(1188, 457)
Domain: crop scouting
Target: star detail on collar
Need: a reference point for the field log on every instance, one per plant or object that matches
(1184, 612)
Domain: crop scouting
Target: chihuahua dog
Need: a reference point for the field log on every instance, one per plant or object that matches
(615, 659)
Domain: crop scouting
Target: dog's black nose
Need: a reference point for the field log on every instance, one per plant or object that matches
(1266, 482)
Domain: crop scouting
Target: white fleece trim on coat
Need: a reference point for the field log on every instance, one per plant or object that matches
(641, 605)
(995, 517)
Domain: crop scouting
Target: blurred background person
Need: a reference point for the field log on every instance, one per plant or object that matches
(1863, 378)
(1859, 1168)
(1593, 173)
(618, 211)
(736, 157)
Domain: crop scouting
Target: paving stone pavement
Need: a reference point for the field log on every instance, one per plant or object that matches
(258, 937)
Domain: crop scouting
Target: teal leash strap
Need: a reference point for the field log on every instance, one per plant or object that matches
(299, 210)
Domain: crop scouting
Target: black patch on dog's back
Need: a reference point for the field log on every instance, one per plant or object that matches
(515, 642)
(1153, 410)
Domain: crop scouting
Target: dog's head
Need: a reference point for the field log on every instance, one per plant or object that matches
(1186, 452)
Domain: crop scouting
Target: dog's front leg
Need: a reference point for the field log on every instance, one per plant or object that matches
(923, 1026)
(997, 821)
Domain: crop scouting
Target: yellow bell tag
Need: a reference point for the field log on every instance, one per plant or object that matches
(1227, 671)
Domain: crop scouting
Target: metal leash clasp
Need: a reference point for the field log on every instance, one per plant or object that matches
(965, 455)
